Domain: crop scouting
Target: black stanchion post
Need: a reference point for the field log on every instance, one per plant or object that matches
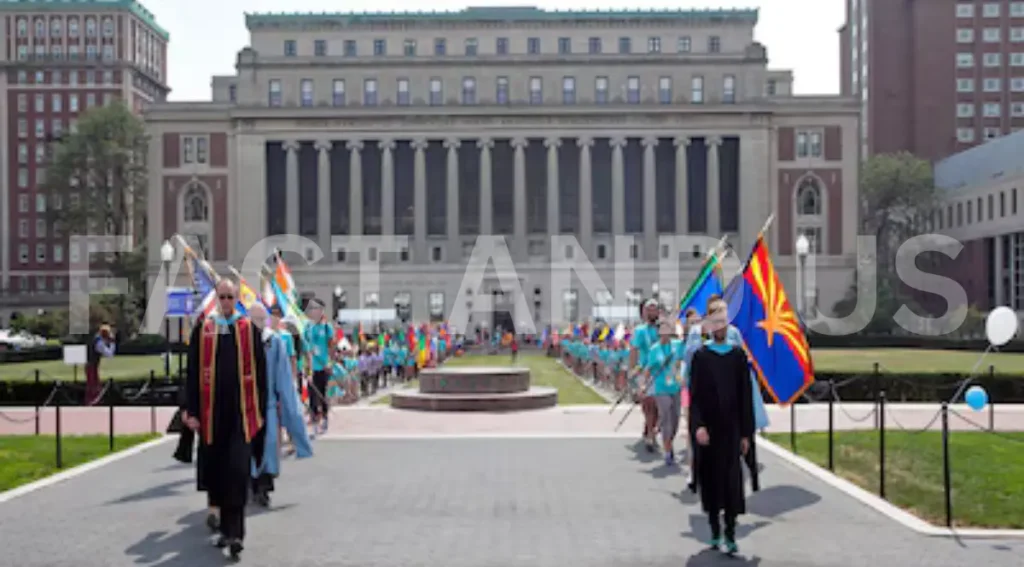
(152, 402)
(991, 404)
(60, 450)
(831, 424)
(947, 489)
(881, 444)
(39, 394)
(877, 379)
(792, 427)
(110, 410)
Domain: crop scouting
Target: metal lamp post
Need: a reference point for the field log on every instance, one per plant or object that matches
(337, 301)
(167, 256)
(803, 249)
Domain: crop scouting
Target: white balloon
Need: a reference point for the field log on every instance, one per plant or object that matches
(1001, 325)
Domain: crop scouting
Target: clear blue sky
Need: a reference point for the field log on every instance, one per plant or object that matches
(206, 34)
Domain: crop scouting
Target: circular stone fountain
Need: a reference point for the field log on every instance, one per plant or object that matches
(470, 388)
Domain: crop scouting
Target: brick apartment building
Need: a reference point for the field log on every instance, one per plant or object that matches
(59, 58)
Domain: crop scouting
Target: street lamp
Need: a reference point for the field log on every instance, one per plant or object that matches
(338, 291)
(167, 256)
(803, 249)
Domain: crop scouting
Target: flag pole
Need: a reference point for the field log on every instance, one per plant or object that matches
(764, 229)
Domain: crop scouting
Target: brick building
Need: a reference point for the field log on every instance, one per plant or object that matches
(934, 77)
(59, 58)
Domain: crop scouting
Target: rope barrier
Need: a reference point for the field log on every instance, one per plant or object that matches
(35, 412)
(984, 428)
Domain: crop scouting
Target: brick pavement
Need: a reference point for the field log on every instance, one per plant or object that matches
(462, 503)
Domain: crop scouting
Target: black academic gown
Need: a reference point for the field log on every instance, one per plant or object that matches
(720, 400)
(224, 467)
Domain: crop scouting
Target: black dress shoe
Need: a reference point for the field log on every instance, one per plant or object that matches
(235, 550)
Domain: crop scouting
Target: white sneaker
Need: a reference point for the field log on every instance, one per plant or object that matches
(689, 476)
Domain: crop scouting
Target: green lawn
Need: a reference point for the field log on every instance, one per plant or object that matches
(987, 471)
(27, 458)
(826, 360)
(118, 367)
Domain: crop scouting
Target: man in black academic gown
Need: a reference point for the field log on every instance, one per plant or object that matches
(722, 419)
(226, 390)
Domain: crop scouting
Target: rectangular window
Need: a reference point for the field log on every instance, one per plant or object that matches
(380, 47)
(697, 90)
(1017, 109)
(274, 92)
(964, 10)
(436, 91)
(536, 90)
(22, 128)
(1017, 59)
(568, 90)
(815, 144)
(306, 90)
(654, 45)
(601, 90)
(468, 90)
(40, 228)
(23, 255)
(991, 35)
(625, 45)
(993, 59)
(501, 90)
(501, 46)
(370, 92)
(964, 110)
(1017, 84)
(684, 44)
(319, 47)
(990, 10)
(57, 127)
(801, 144)
(992, 133)
(23, 228)
(40, 103)
(409, 48)
(57, 102)
(714, 44)
(1017, 9)
(40, 254)
(233, 93)
(992, 110)
(564, 45)
(440, 46)
(201, 149)
(533, 45)
(633, 90)
(58, 256)
(665, 90)
(338, 94)
(965, 60)
(23, 154)
(403, 92)
(594, 45)
(729, 89)
(965, 35)
(188, 149)
(965, 85)
(289, 48)
(1017, 35)
(992, 85)
(471, 47)
(349, 48)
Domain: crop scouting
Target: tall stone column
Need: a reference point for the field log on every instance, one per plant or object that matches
(420, 201)
(292, 187)
(486, 188)
(519, 200)
(682, 144)
(586, 227)
(554, 216)
(323, 198)
(355, 184)
(714, 199)
(387, 199)
(618, 187)
(452, 211)
(650, 200)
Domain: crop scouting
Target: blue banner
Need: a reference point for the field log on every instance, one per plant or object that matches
(180, 302)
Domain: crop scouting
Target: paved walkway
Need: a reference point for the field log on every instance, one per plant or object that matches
(463, 502)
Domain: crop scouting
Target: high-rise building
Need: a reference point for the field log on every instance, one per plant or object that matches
(60, 58)
(934, 78)
(506, 121)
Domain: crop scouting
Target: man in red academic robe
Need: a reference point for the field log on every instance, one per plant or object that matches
(226, 391)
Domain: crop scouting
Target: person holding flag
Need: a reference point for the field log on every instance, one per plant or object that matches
(722, 421)
(317, 350)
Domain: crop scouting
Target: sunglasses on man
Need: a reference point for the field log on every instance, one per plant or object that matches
(226, 296)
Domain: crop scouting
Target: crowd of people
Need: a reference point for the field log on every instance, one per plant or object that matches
(692, 371)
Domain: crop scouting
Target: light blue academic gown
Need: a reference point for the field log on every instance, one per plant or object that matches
(281, 389)
(694, 342)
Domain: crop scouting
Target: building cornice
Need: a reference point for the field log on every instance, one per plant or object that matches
(273, 63)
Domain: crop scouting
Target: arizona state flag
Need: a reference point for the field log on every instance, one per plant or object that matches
(773, 334)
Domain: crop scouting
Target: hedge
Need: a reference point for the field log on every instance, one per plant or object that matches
(123, 393)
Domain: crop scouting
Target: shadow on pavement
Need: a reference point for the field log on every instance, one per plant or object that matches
(712, 558)
(641, 454)
(700, 530)
(160, 491)
(775, 501)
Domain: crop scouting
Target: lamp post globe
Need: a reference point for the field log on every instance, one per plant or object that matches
(803, 246)
(337, 291)
(167, 251)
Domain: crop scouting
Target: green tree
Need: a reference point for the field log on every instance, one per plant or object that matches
(96, 181)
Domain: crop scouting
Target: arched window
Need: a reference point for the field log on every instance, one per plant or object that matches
(196, 207)
(22, 27)
(40, 28)
(808, 197)
(90, 27)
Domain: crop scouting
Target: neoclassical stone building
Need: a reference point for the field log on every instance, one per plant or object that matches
(510, 121)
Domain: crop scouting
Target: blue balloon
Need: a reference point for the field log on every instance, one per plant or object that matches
(976, 398)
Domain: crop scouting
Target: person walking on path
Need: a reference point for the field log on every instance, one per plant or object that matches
(317, 345)
(644, 336)
(661, 369)
(102, 346)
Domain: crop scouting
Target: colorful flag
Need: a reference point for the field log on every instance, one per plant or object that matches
(290, 308)
(283, 279)
(708, 283)
(774, 338)
(268, 295)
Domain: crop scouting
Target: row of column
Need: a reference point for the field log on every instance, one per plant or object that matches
(355, 147)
